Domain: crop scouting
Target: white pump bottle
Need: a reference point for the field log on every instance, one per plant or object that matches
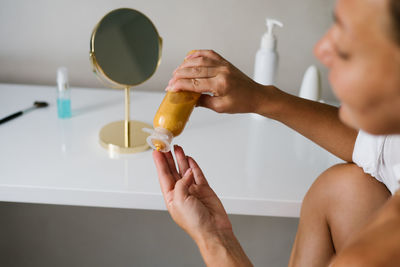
(266, 63)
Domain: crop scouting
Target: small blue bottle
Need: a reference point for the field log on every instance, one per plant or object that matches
(63, 94)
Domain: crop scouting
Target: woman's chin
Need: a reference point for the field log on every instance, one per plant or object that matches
(347, 118)
(376, 125)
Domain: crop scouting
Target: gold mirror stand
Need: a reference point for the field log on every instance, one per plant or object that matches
(125, 136)
(124, 27)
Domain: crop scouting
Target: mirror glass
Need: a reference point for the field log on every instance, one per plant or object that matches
(125, 48)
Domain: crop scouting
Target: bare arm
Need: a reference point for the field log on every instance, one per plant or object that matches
(223, 249)
(234, 92)
(317, 121)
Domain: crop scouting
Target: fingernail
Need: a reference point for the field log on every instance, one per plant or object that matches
(170, 82)
(188, 171)
(169, 88)
(191, 52)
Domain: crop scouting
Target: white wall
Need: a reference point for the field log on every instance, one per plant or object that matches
(38, 36)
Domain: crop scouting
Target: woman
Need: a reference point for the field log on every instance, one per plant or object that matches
(362, 51)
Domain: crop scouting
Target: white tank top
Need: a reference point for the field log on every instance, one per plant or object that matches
(379, 156)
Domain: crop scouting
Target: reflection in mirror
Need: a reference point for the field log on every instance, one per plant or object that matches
(126, 47)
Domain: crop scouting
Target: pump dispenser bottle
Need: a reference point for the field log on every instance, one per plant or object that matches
(171, 118)
(266, 63)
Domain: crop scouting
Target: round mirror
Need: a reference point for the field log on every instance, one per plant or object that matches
(125, 50)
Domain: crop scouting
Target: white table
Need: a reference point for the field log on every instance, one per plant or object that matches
(257, 166)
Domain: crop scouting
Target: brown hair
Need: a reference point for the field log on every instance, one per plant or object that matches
(394, 7)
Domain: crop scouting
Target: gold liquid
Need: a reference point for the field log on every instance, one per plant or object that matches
(158, 145)
(174, 112)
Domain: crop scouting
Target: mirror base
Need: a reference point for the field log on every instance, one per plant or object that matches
(112, 137)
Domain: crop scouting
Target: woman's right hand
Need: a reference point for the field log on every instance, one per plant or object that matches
(204, 71)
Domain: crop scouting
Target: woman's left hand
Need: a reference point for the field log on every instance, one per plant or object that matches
(192, 203)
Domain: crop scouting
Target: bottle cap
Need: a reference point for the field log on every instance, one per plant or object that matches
(311, 85)
(268, 40)
(62, 78)
(159, 139)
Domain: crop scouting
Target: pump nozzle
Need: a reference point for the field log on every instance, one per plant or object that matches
(269, 41)
(271, 23)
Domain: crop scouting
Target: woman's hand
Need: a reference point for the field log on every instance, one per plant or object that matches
(192, 203)
(204, 71)
(195, 207)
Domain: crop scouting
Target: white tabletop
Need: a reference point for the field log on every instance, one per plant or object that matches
(256, 166)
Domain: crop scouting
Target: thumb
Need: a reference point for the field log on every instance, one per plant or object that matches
(181, 190)
(206, 101)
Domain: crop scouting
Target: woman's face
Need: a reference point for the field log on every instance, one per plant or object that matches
(364, 65)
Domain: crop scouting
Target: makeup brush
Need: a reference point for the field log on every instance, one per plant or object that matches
(36, 104)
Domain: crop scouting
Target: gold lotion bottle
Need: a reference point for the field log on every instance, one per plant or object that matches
(171, 118)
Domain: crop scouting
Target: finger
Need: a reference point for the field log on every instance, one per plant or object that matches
(205, 53)
(202, 85)
(200, 61)
(182, 186)
(167, 181)
(194, 72)
(199, 177)
(211, 102)
(171, 165)
(181, 159)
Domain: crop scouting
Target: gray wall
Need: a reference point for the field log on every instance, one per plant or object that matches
(38, 36)
(45, 235)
